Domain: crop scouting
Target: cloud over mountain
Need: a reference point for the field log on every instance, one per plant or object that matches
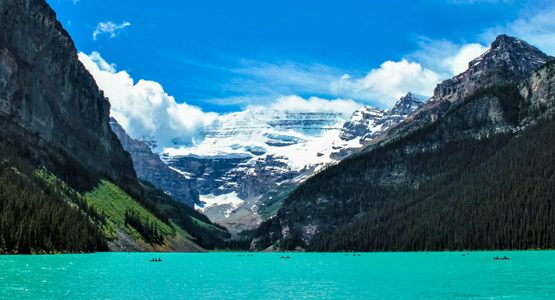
(388, 83)
(147, 111)
(143, 108)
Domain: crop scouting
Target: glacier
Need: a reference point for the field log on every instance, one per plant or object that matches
(245, 162)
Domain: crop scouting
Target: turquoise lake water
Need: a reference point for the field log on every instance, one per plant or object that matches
(445, 275)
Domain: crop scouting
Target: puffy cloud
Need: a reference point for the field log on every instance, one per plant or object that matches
(146, 111)
(260, 83)
(389, 82)
(445, 57)
(314, 104)
(110, 28)
(143, 108)
(458, 62)
(435, 60)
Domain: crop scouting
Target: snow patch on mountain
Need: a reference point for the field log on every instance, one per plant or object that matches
(244, 158)
(300, 139)
(230, 201)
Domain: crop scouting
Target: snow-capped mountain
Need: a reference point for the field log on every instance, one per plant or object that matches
(245, 156)
(363, 122)
(368, 122)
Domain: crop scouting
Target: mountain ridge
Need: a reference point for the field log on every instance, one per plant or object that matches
(402, 170)
(66, 182)
(507, 59)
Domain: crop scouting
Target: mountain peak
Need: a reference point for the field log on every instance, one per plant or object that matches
(368, 122)
(508, 60)
(412, 97)
(407, 104)
(505, 39)
(506, 42)
(515, 57)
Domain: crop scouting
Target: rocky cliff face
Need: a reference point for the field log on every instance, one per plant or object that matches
(149, 167)
(537, 92)
(461, 127)
(50, 106)
(508, 60)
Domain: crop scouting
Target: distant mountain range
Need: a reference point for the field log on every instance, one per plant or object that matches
(472, 168)
(247, 160)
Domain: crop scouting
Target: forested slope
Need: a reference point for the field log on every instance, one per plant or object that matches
(470, 170)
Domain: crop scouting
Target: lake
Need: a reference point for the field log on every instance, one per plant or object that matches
(443, 275)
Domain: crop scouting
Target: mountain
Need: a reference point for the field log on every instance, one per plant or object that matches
(50, 106)
(66, 182)
(248, 161)
(369, 122)
(470, 169)
(506, 61)
(150, 168)
(246, 155)
(363, 124)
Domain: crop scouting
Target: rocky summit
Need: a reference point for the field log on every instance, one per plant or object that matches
(508, 59)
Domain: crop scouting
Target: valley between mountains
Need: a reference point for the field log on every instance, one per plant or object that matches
(470, 167)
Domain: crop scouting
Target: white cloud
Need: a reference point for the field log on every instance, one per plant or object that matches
(537, 27)
(458, 62)
(143, 108)
(146, 111)
(314, 104)
(110, 28)
(420, 72)
(445, 57)
(389, 82)
(258, 83)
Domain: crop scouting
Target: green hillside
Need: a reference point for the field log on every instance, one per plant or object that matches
(40, 213)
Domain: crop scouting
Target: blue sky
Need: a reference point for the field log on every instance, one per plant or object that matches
(225, 55)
